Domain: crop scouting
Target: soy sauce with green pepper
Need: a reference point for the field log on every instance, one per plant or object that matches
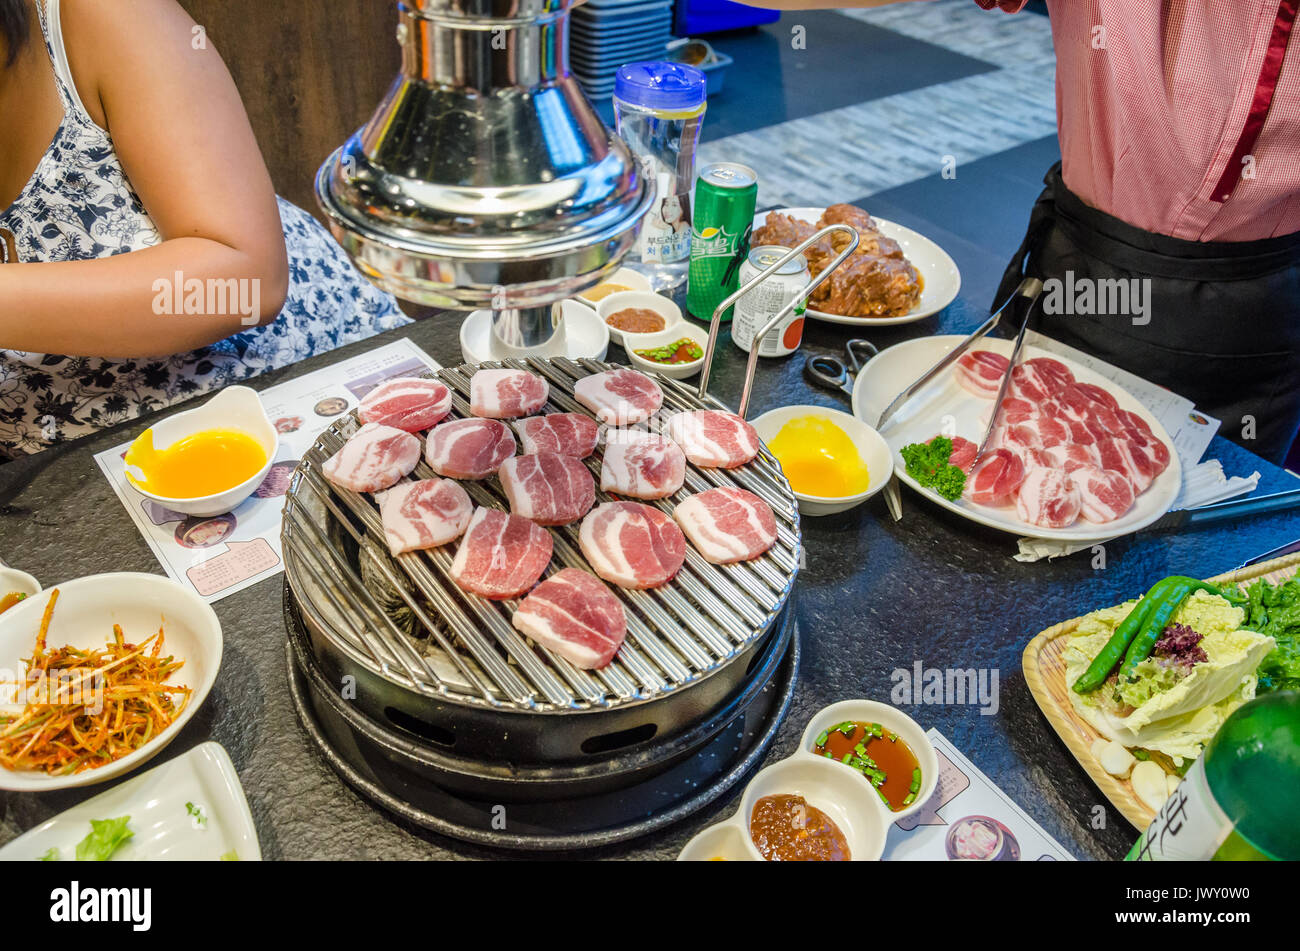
(878, 754)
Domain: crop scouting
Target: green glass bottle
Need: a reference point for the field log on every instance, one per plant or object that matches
(1241, 799)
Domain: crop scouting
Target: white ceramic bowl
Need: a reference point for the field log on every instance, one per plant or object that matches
(871, 447)
(833, 789)
(13, 581)
(84, 617)
(675, 371)
(648, 300)
(235, 407)
(632, 280)
(722, 842)
(892, 719)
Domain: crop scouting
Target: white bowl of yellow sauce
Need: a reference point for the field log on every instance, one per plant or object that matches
(833, 460)
(205, 461)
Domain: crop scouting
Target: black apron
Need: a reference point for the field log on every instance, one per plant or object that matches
(1222, 318)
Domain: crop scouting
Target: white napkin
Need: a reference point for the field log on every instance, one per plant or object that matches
(1203, 484)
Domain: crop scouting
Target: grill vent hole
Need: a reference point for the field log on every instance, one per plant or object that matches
(434, 734)
(608, 742)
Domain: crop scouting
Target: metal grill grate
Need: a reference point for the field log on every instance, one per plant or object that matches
(677, 634)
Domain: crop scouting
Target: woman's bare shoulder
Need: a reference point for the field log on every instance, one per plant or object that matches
(124, 42)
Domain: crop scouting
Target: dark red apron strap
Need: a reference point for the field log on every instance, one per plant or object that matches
(1267, 85)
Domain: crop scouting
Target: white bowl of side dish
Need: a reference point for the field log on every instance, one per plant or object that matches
(236, 408)
(13, 581)
(675, 371)
(623, 279)
(637, 300)
(871, 448)
(843, 793)
(83, 617)
(893, 720)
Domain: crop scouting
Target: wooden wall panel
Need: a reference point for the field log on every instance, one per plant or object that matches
(310, 73)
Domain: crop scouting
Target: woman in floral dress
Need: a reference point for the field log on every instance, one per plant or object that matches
(146, 257)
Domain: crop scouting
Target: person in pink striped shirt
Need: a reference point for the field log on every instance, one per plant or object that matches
(1179, 125)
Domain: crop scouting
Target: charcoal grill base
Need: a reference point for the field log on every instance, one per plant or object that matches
(575, 823)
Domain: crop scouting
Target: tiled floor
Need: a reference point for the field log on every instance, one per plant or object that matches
(832, 104)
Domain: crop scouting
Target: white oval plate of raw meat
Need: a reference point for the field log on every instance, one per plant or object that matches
(945, 406)
(937, 269)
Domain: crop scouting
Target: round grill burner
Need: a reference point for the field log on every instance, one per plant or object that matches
(630, 795)
(417, 655)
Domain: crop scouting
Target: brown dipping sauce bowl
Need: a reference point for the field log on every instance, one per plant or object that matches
(631, 315)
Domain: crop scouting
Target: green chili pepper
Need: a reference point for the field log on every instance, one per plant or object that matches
(1125, 631)
(1156, 622)
(909, 799)
(822, 737)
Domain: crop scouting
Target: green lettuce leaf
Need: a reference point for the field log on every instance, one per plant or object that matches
(106, 837)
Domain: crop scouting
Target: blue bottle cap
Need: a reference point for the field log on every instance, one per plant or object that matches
(673, 87)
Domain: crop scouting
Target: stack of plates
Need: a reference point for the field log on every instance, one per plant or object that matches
(609, 33)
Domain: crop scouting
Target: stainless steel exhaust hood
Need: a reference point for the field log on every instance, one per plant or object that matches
(485, 180)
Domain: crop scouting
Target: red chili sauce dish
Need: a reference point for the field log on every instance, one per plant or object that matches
(879, 755)
(786, 828)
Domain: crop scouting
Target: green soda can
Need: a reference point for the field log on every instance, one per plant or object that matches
(725, 196)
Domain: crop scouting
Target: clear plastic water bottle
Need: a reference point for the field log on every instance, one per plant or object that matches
(1241, 799)
(658, 109)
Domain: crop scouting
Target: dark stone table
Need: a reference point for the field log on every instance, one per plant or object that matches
(876, 595)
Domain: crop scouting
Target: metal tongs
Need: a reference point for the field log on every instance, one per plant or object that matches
(1028, 292)
(716, 323)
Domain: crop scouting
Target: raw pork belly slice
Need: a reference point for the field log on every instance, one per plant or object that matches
(1015, 409)
(374, 458)
(1121, 455)
(995, 478)
(569, 434)
(1139, 432)
(1078, 400)
(632, 545)
(1038, 382)
(1099, 394)
(548, 488)
(981, 372)
(713, 439)
(619, 397)
(1070, 456)
(468, 448)
(1018, 437)
(963, 452)
(409, 403)
(501, 555)
(423, 514)
(574, 615)
(1048, 498)
(727, 525)
(1055, 375)
(1103, 495)
(506, 394)
(641, 465)
(1103, 422)
(1051, 432)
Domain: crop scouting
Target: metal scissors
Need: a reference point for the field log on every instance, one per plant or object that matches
(841, 375)
(837, 374)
